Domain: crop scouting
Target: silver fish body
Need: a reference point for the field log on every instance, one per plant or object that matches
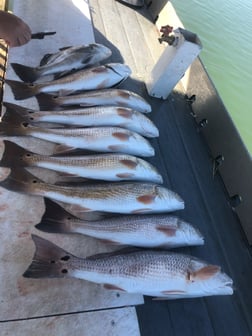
(99, 77)
(115, 197)
(138, 230)
(92, 116)
(108, 167)
(155, 273)
(104, 97)
(100, 139)
(65, 60)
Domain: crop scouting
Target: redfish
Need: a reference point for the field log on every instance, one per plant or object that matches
(113, 197)
(64, 61)
(160, 274)
(161, 230)
(99, 77)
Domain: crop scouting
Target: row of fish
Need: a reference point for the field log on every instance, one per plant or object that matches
(132, 212)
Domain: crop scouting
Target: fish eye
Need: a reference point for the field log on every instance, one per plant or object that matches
(64, 271)
(25, 124)
(31, 118)
(34, 181)
(28, 154)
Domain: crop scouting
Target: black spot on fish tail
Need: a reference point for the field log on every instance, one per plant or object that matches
(26, 73)
(49, 260)
(22, 90)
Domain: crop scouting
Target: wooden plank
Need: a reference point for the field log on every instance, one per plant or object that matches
(115, 33)
(112, 322)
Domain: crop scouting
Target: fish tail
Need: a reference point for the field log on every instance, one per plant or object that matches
(49, 260)
(26, 73)
(15, 114)
(13, 155)
(24, 111)
(20, 180)
(7, 129)
(22, 90)
(55, 218)
(48, 102)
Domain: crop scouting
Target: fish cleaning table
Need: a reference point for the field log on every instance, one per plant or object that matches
(185, 162)
(68, 307)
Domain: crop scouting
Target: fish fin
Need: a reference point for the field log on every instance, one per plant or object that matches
(55, 218)
(47, 102)
(204, 272)
(13, 116)
(64, 48)
(122, 251)
(20, 180)
(125, 175)
(45, 59)
(109, 241)
(113, 287)
(121, 136)
(78, 208)
(49, 260)
(7, 129)
(22, 90)
(62, 92)
(146, 199)
(13, 155)
(63, 149)
(63, 178)
(125, 112)
(141, 211)
(129, 163)
(23, 112)
(52, 226)
(168, 231)
(173, 292)
(25, 73)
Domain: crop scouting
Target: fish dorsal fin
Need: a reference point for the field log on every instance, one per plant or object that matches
(113, 287)
(204, 273)
(123, 251)
(59, 149)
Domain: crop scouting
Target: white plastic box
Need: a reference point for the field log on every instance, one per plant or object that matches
(173, 63)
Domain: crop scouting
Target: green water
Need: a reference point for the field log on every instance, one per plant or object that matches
(225, 30)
